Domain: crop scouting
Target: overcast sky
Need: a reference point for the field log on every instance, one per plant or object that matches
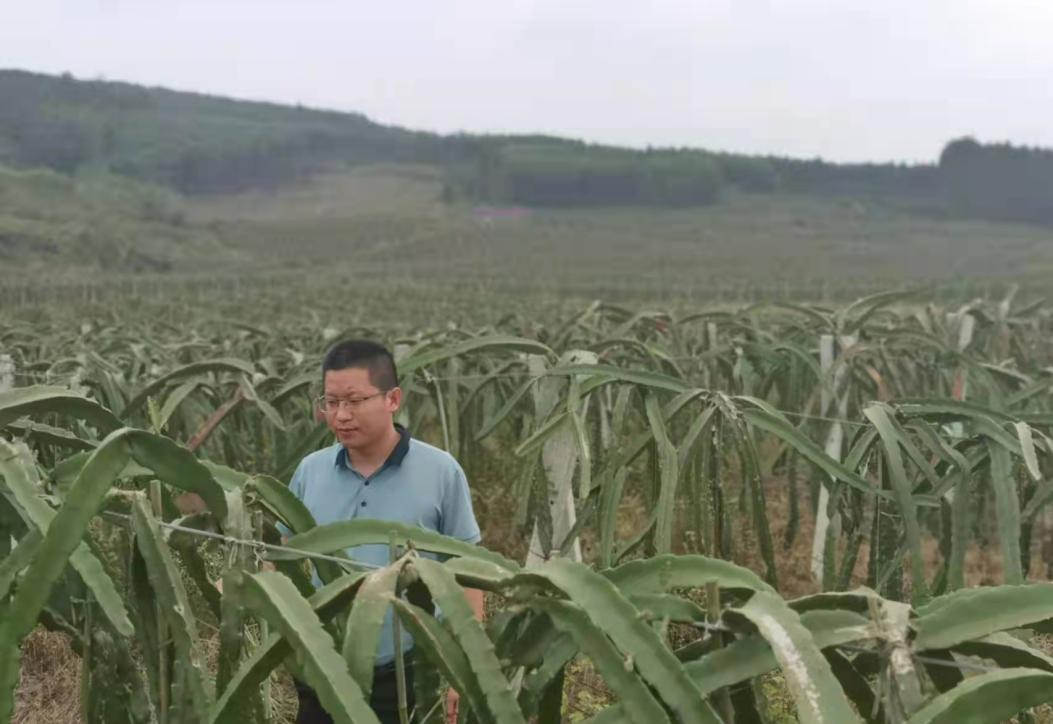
(841, 79)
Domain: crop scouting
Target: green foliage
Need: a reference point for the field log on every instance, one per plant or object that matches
(200, 144)
(998, 181)
(579, 175)
(685, 412)
(96, 221)
(190, 142)
(919, 184)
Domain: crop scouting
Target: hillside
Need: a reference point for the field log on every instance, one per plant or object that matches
(118, 177)
(387, 224)
(50, 222)
(202, 144)
(190, 142)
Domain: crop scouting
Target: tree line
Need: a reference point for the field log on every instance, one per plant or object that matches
(998, 181)
(199, 144)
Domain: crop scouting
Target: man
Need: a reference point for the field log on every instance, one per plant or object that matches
(376, 470)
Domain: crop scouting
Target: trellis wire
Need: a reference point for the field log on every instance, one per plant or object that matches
(705, 625)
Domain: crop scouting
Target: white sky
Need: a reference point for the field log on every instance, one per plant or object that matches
(841, 79)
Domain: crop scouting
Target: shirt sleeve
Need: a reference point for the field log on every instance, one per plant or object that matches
(458, 518)
(296, 488)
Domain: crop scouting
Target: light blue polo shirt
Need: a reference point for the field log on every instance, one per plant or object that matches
(418, 485)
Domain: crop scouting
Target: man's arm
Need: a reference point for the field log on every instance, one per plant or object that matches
(453, 699)
(458, 521)
(477, 601)
(268, 565)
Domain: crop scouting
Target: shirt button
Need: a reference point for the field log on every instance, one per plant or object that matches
(367, 483)
(363, 504)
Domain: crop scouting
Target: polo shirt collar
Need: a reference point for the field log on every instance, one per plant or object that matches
(394, 459)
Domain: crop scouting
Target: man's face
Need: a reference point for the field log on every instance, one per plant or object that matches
(364, 414)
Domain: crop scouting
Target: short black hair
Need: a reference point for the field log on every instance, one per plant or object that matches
(363, 354)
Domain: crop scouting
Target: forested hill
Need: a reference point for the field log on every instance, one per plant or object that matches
(188, 141)
(200, 144)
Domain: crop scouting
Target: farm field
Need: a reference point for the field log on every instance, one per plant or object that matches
(692, 511)
(390, 221)
(384, 225)
(746, 356)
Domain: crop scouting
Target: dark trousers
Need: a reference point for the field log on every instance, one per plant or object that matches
(384, 699)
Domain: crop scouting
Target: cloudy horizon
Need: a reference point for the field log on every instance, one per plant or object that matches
(805, 78)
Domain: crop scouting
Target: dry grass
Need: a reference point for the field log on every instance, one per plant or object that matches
(585, 692)
(375, 211)
(283, 700)
(49, 690)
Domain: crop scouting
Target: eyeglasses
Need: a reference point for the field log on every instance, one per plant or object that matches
(330, 405)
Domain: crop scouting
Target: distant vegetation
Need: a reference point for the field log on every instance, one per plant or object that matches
(562, 173)
(384, 222)
(200, 144)
(190, 142)
(556, 172)
(96, 220)
(999, 181)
